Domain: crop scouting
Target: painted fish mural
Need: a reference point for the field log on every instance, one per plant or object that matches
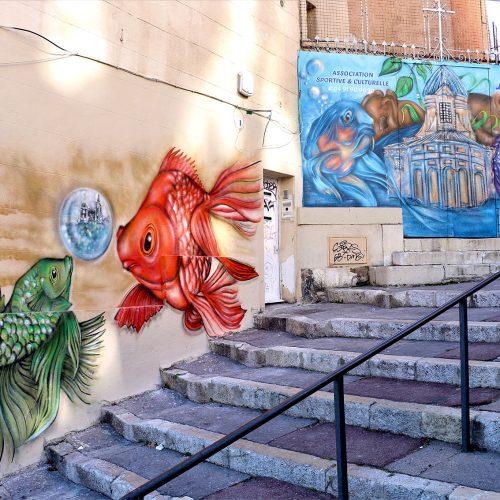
(385, 131)
(169, 244)
(340, 157)
(43, 349)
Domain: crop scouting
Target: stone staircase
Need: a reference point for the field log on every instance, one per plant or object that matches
(439, 260)
(402, 408)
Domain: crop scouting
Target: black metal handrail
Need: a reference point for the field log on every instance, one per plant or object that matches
(337, 377)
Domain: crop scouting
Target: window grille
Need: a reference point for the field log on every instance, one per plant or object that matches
(445, 115)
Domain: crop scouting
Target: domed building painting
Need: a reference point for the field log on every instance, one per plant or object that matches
(381, 131)
(442, 166)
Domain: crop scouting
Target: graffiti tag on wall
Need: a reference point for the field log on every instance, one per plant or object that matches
(379, 131)
(343, 251)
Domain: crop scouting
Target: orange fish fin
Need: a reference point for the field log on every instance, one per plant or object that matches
(175, 159)
(192, 319)
(238, 270)
(138, 306)
(201, 229)
(217, 304)
(237, 198)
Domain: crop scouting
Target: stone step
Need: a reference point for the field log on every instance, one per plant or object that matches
(415, 409)
(42, 482)
(364, 321)
(101, 459)
(451, 244)
(114, 459)
(407, 360)
(415, 275)
(423, 296)
(381, 465)
(446, 257)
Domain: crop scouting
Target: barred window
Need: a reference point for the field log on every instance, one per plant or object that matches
(445, 115)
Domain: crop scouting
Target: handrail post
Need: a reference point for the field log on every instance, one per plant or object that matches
(342, 486)
(464, 374)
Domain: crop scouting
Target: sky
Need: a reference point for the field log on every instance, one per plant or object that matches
(493, 8)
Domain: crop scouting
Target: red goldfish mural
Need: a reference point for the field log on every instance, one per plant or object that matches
(169, 244)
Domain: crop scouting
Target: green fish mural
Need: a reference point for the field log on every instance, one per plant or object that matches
(43, 349)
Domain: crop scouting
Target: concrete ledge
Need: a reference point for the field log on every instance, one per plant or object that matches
(428, 274)
(349, 216)
(369, 328)
(406, 275)
(443, 371)
(411, 419)
(317, 282)
(410, 297)
(450, 244)
(293, 467)
(445, 257)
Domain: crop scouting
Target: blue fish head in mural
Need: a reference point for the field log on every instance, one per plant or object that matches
(341, 134)
(340, 158)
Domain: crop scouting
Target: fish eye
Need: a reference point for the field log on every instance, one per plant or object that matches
(54, 274)
(347, 116)
(149, 240)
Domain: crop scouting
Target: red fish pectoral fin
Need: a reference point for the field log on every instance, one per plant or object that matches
(138, 306)
(192, 319)
(217, 304)
(238, 270)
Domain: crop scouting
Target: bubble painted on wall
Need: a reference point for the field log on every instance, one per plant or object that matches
(86, 223)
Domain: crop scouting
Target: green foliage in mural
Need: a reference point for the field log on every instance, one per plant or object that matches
(43, 349)
(473, 81)
(482, 118)
(404, 86)
(411, 111)
(391, 65)
(422, 71)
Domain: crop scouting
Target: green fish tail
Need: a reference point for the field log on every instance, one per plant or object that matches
(47, 368)
(74, 342)
(17, 405)
(77, 384)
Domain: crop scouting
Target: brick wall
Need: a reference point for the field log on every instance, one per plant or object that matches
(398, 21)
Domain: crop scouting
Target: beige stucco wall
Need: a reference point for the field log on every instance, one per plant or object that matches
(382, 228)
(71, 123)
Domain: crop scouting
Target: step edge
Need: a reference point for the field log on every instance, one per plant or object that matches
(189, 439)
(419, 420)
(416, 368)
(97, 474)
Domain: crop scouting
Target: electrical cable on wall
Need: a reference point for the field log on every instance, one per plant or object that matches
(263, 113)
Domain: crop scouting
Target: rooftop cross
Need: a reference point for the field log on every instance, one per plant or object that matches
(440, 11)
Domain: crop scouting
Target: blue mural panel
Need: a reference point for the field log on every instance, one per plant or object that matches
(383, 131)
